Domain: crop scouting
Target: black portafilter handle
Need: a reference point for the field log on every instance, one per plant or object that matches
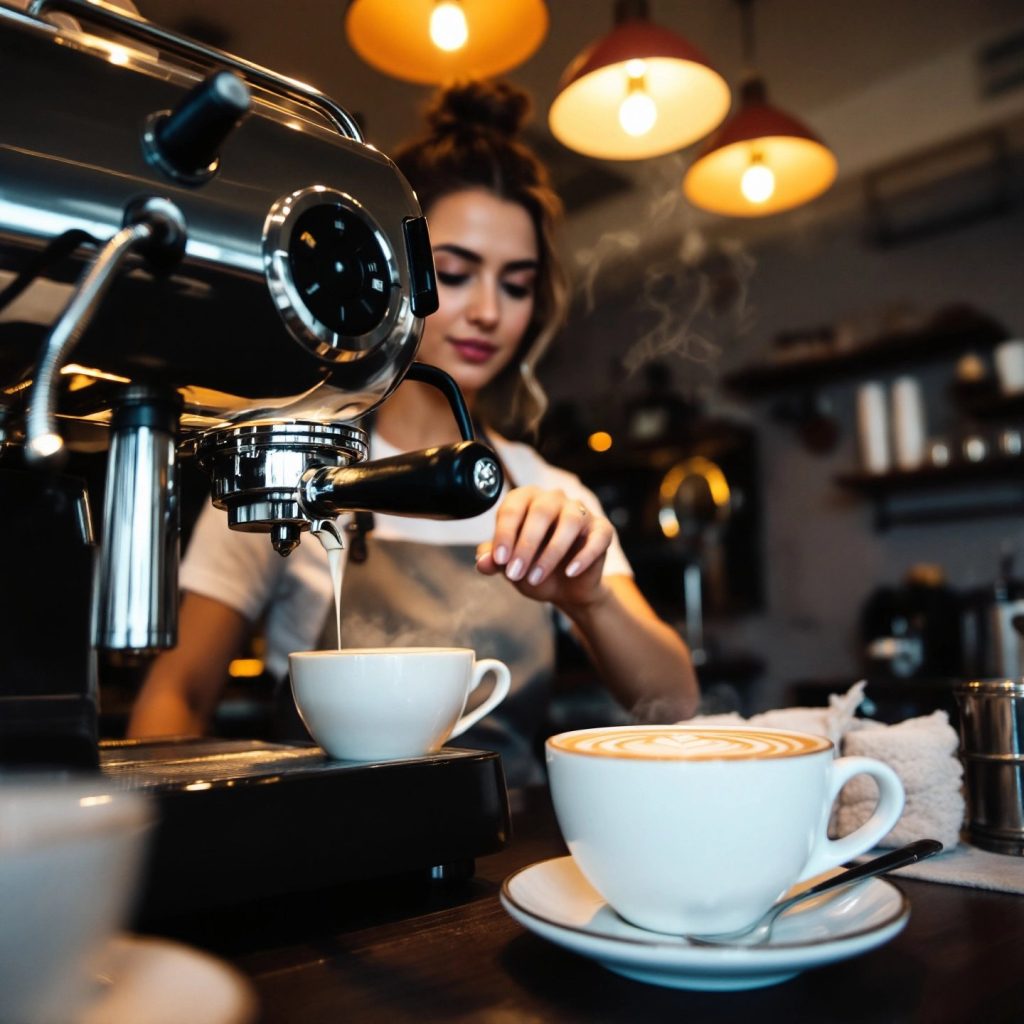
(186, 142)
(454, 481)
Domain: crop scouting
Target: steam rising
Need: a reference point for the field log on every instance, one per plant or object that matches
(701, 277)
(453, 626)
(657, 710)
(609, 245)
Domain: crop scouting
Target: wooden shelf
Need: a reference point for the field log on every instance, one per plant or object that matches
(887, 352)
(994, 405)
(931, 477)
(993, 487)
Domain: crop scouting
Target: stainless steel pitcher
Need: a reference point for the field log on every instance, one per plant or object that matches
(992, 750)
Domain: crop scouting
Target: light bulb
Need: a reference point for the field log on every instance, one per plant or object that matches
(637, 112)
(448, 28)
(45, 445)
(118, 55)
(758, 182)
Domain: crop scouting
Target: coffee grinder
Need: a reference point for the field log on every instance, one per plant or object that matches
(240, 278)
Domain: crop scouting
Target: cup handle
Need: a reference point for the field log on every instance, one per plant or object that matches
(830, 853)
(502, 683)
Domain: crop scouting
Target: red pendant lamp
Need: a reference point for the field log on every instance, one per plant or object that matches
(438, 41)
(762, 160)
(639, 91)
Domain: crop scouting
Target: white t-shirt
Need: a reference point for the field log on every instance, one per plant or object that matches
(243, 571)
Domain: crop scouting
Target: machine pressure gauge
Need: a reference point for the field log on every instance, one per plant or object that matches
(332, 273)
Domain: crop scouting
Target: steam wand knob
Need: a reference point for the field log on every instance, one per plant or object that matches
(185, 142)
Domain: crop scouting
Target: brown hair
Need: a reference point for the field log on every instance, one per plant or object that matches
(471, 142)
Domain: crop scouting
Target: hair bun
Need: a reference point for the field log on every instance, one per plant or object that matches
(480, 106)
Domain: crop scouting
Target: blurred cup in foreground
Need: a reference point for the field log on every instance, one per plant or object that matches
(71, 854)
(698, 829)
(385, 703)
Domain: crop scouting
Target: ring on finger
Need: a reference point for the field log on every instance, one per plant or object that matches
(582, 508)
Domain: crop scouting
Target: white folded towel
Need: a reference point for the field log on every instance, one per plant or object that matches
(832, 721)
(923, 752)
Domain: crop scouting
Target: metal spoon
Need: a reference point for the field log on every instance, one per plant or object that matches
(761, 929)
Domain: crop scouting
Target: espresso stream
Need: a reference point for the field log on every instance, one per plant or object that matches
(332, 545)
(690, 744)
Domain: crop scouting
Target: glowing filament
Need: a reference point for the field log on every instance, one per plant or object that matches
(758, 182)
(638, 111)
(448, 28)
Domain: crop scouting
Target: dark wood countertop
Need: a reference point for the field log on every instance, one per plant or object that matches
(413, 951)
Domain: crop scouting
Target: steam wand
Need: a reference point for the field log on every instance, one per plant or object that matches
(157, 227)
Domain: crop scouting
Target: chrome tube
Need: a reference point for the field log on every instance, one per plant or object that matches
(136, 27)
(136, 592)
(152, 224)
(42, 440)
(694, 603)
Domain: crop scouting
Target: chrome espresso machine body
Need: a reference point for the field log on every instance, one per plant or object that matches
(227, 272)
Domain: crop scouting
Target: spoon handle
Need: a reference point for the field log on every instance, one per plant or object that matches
(909, 854)
(761, 929)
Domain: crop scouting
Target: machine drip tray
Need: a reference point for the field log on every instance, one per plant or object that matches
(246, 819)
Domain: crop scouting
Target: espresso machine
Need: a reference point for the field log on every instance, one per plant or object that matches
(239, 278)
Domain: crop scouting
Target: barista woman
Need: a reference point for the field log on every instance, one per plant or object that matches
(494, 583)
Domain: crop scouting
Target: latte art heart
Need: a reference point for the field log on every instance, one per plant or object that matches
(689, 743)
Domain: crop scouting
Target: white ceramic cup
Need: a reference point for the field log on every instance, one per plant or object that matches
(375, 704)
(1009, 359)
(873, 427)
(694, 829)
(70, 859)
(908, 423)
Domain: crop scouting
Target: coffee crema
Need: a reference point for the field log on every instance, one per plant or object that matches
(692, 743)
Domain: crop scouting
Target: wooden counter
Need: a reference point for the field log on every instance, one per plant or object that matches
(415, 951)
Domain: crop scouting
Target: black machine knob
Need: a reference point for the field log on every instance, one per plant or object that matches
(455, 481)
(186, 142)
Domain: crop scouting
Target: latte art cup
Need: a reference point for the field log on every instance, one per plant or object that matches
(387, 703)
(694, 829)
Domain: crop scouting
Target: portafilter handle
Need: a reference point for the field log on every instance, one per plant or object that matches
(454, 481)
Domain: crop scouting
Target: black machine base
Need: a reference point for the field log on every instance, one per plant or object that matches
(244, 819)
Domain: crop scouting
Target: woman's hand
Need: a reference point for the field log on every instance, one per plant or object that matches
(550, 546)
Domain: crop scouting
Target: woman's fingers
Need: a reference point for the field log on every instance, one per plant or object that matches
(596, 543)
(566, 538)
(536, 531)
(521, 505)
(485, 559)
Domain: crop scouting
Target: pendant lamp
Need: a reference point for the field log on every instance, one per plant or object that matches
(762, 160)
(438, 41)
(639, 91)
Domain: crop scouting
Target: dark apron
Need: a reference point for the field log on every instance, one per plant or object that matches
(410, 594)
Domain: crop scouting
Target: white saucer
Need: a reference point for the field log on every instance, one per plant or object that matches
(153, 981)
(554, 900)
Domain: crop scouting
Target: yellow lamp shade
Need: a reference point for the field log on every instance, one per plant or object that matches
(761, 161)
(396, 37)
(683, 96)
